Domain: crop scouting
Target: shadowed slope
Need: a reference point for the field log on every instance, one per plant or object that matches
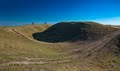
(73, 31)
(118, 41)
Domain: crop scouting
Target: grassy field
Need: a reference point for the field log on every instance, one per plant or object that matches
(20, 52)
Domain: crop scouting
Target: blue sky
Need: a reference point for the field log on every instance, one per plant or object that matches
(19, 12)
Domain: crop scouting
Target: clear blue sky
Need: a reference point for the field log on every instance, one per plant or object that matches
(19, 12)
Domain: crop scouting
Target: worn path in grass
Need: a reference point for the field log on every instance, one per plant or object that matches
(20, 34)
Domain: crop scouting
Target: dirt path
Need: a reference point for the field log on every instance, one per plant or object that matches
(14, 31)
(20, 34)
(96, 46)
(104, 42)
(39, 61)
(22, 63)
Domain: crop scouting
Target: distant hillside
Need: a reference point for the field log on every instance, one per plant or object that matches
(73, 31)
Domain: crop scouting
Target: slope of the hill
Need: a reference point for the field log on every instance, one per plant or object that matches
(99, 52)
(17, 43)
(73, 31)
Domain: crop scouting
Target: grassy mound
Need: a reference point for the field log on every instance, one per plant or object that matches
(73, 31)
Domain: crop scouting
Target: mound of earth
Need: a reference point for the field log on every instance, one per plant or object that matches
(73, 31)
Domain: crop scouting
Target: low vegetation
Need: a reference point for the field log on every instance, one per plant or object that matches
(78, 46)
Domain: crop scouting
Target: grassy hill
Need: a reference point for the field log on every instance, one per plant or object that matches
(73, 31)
(99, 51)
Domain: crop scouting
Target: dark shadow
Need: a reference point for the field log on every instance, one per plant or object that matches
(64, 31)
(118, 41)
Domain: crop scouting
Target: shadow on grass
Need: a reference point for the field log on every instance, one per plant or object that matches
(118, 41)
(42, 37)
(63, 32)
